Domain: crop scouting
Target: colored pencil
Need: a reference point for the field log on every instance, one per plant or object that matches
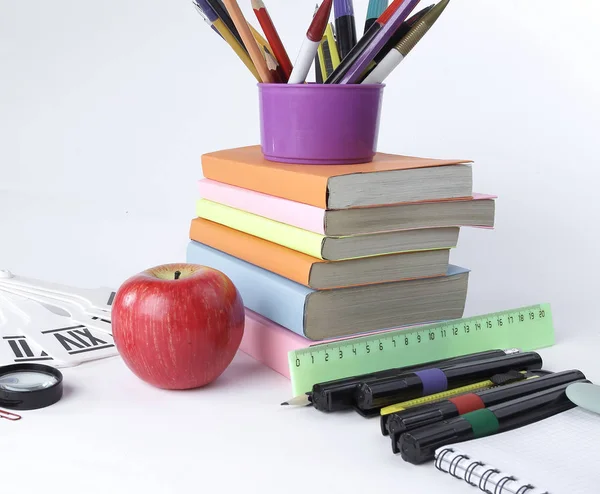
(273, 67)
(345, 27)
(281, 75)
(393, 18)
(310, 44)
(256, 54)
(278, 50)
(262, 42)
(375, 9)
(221, 11)
(203, 7)
(406, 44)
(362, 45)
(394, 40)
(205, 17)
(401, 32)
(391, 31)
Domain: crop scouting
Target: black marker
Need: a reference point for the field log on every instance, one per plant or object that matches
(496, 380)
(407, 420)
(409, 386)
(336, 395)
(363, 43)
(419, 445)
(345, 27)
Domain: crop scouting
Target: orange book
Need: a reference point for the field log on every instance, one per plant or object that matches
(388, 179)
(316, 273)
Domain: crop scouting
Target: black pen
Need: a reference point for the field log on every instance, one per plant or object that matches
(401, 422)
(419, 445)
(336, 395)
(345, 27)
(394, 389)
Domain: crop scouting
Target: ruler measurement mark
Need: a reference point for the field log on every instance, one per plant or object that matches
(527, 328)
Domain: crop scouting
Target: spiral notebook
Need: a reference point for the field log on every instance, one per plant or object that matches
(558, 455)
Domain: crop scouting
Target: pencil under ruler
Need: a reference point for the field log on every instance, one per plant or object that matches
(527, 328)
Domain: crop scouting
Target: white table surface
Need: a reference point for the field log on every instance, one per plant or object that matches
(113, 433)
(105, 108)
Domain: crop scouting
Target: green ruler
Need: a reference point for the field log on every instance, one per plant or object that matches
(527, 328)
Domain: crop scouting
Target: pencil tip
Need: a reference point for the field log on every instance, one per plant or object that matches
(298, 401)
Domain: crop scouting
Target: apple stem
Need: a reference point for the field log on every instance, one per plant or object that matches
(177, 274)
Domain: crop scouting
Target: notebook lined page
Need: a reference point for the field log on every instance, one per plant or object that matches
(560, 454)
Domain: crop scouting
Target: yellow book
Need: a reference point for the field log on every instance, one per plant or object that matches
(259, 226)
(325, 247)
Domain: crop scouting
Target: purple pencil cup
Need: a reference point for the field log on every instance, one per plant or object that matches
(319, 124)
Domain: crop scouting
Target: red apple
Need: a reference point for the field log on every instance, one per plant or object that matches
(178, 326)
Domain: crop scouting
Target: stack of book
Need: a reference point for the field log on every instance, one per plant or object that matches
(322, 252)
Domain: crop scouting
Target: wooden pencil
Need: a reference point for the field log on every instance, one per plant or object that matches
(210, 15)
(254, 50)
(273, 67)
(262, 42)
(278, 50)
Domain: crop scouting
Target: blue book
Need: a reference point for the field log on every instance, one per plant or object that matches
(324, 314)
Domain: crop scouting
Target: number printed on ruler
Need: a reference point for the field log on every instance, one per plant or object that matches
(526, 328)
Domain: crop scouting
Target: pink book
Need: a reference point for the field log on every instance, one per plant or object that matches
(320, 221)
(269, 343)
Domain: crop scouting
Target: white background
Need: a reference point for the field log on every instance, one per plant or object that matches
(105, 109)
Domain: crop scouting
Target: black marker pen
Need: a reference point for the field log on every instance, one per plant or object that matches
(406, 420)
(345, 27)
(394, 389)
(419, 445)
(337, 395)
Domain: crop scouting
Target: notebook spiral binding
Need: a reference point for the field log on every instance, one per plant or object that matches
(486, 478)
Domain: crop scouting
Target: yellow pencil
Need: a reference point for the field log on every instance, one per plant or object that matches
(254, 50)
(262, 42)
(206, 11)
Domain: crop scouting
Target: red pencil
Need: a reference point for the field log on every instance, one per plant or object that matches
(268, 28)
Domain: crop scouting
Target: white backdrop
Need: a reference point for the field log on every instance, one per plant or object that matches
(106, 107)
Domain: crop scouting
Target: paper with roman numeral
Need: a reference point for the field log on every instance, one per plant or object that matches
(92, 320)
(90, 298)
(30, 332)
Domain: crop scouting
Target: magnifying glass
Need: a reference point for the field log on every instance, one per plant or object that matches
(29, 386)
